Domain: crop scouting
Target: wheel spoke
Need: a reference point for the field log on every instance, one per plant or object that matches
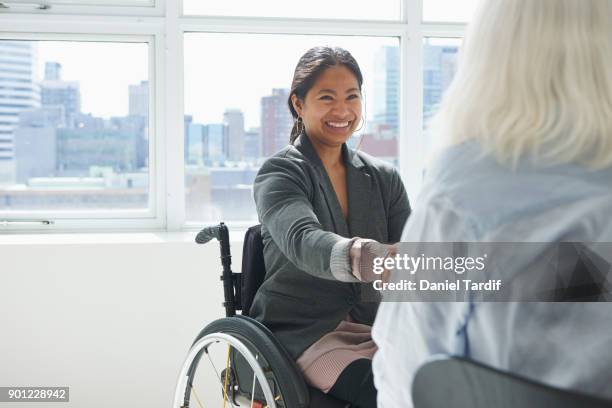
(259, 374)
(227, 368)
(197, 398)
(254, 379)
(217, 373)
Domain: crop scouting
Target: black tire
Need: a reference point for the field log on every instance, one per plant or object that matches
(260, 340)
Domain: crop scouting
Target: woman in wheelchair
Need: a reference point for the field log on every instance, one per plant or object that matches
(320, 203)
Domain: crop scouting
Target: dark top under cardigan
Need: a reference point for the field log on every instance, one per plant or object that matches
(301, 299)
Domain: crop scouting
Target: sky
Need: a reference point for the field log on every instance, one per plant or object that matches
(104, 71)
(228, 70)
(242, 68)
(449, 10)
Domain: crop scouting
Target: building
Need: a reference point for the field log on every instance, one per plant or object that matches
(187, 120)
(215, 142)
(78, 149)
(234, 120)
(35, 142)
(387, 89)
(57, 92)
(252, 144)
(18, 93)
(53, 71)
(89, 121)
(276, 122)
(383, 148)
(137, 127)
(231, 192)
(194, 144)
(439, 66)
(139, 99)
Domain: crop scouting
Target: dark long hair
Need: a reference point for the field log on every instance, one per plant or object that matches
(310, 66)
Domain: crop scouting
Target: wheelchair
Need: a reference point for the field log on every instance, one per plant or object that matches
(255, 369)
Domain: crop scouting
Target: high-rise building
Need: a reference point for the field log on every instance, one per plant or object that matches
(194, 143)
(276, 121)
(57, 92)
(139, 99)
(215, 142)
(387, 89)
(439, 66)
(252, 144)
(18, 93)
(234, 119)
(53, 71)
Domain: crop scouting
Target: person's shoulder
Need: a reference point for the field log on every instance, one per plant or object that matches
(287, 152)
(289, 156)
(455, 159)
(464, 169)
(288, 165)
(375, 164)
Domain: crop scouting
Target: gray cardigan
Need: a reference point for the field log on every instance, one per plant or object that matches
(304, 232)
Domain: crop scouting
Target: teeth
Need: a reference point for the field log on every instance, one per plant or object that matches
(338, 124)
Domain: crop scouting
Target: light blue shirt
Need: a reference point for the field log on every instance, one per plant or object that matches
(470, 197)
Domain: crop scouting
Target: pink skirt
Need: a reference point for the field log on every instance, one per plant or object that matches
(323, 362)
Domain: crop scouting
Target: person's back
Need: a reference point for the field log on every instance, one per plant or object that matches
(476, 200)
(528, 126)
(564, 344)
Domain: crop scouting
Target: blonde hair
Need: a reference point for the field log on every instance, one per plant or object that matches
(534, 79)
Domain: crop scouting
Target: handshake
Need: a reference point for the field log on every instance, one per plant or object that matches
(363, 252)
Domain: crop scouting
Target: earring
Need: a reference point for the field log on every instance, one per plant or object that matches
(360, 126)
(299, 125)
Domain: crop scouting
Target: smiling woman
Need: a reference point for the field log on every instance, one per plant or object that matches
(329, 79)
(331, 110)
(325, 100)
(312, 199)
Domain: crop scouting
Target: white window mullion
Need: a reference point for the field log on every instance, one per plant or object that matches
(174, 137)
(157, 137)
(412, 143)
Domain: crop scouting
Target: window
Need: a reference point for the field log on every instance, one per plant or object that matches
(439, 67)
(337, 9)
(75, 125)
(157, 114)
(449, 11)
(237, 114)
(31, 5)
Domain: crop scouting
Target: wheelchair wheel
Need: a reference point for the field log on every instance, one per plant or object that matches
(247, 365)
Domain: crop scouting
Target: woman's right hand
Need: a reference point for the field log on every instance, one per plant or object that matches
(363, 252)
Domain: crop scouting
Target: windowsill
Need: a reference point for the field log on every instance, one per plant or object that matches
(106, 238)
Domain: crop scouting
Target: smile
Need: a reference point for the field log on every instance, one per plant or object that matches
(338, 124)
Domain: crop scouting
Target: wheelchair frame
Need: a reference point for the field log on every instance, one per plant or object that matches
(248, 340)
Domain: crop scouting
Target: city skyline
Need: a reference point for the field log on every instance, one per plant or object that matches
(61, 147)
(110, 96)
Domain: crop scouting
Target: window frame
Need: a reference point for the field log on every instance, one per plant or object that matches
(68, 220)
(164, 26)
(80, 7)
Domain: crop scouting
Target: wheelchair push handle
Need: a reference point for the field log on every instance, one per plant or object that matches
(209, 233)
(222, 234)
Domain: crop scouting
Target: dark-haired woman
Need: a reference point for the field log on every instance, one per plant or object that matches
(320, 202)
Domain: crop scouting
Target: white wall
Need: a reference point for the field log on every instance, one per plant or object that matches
(111, 320)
